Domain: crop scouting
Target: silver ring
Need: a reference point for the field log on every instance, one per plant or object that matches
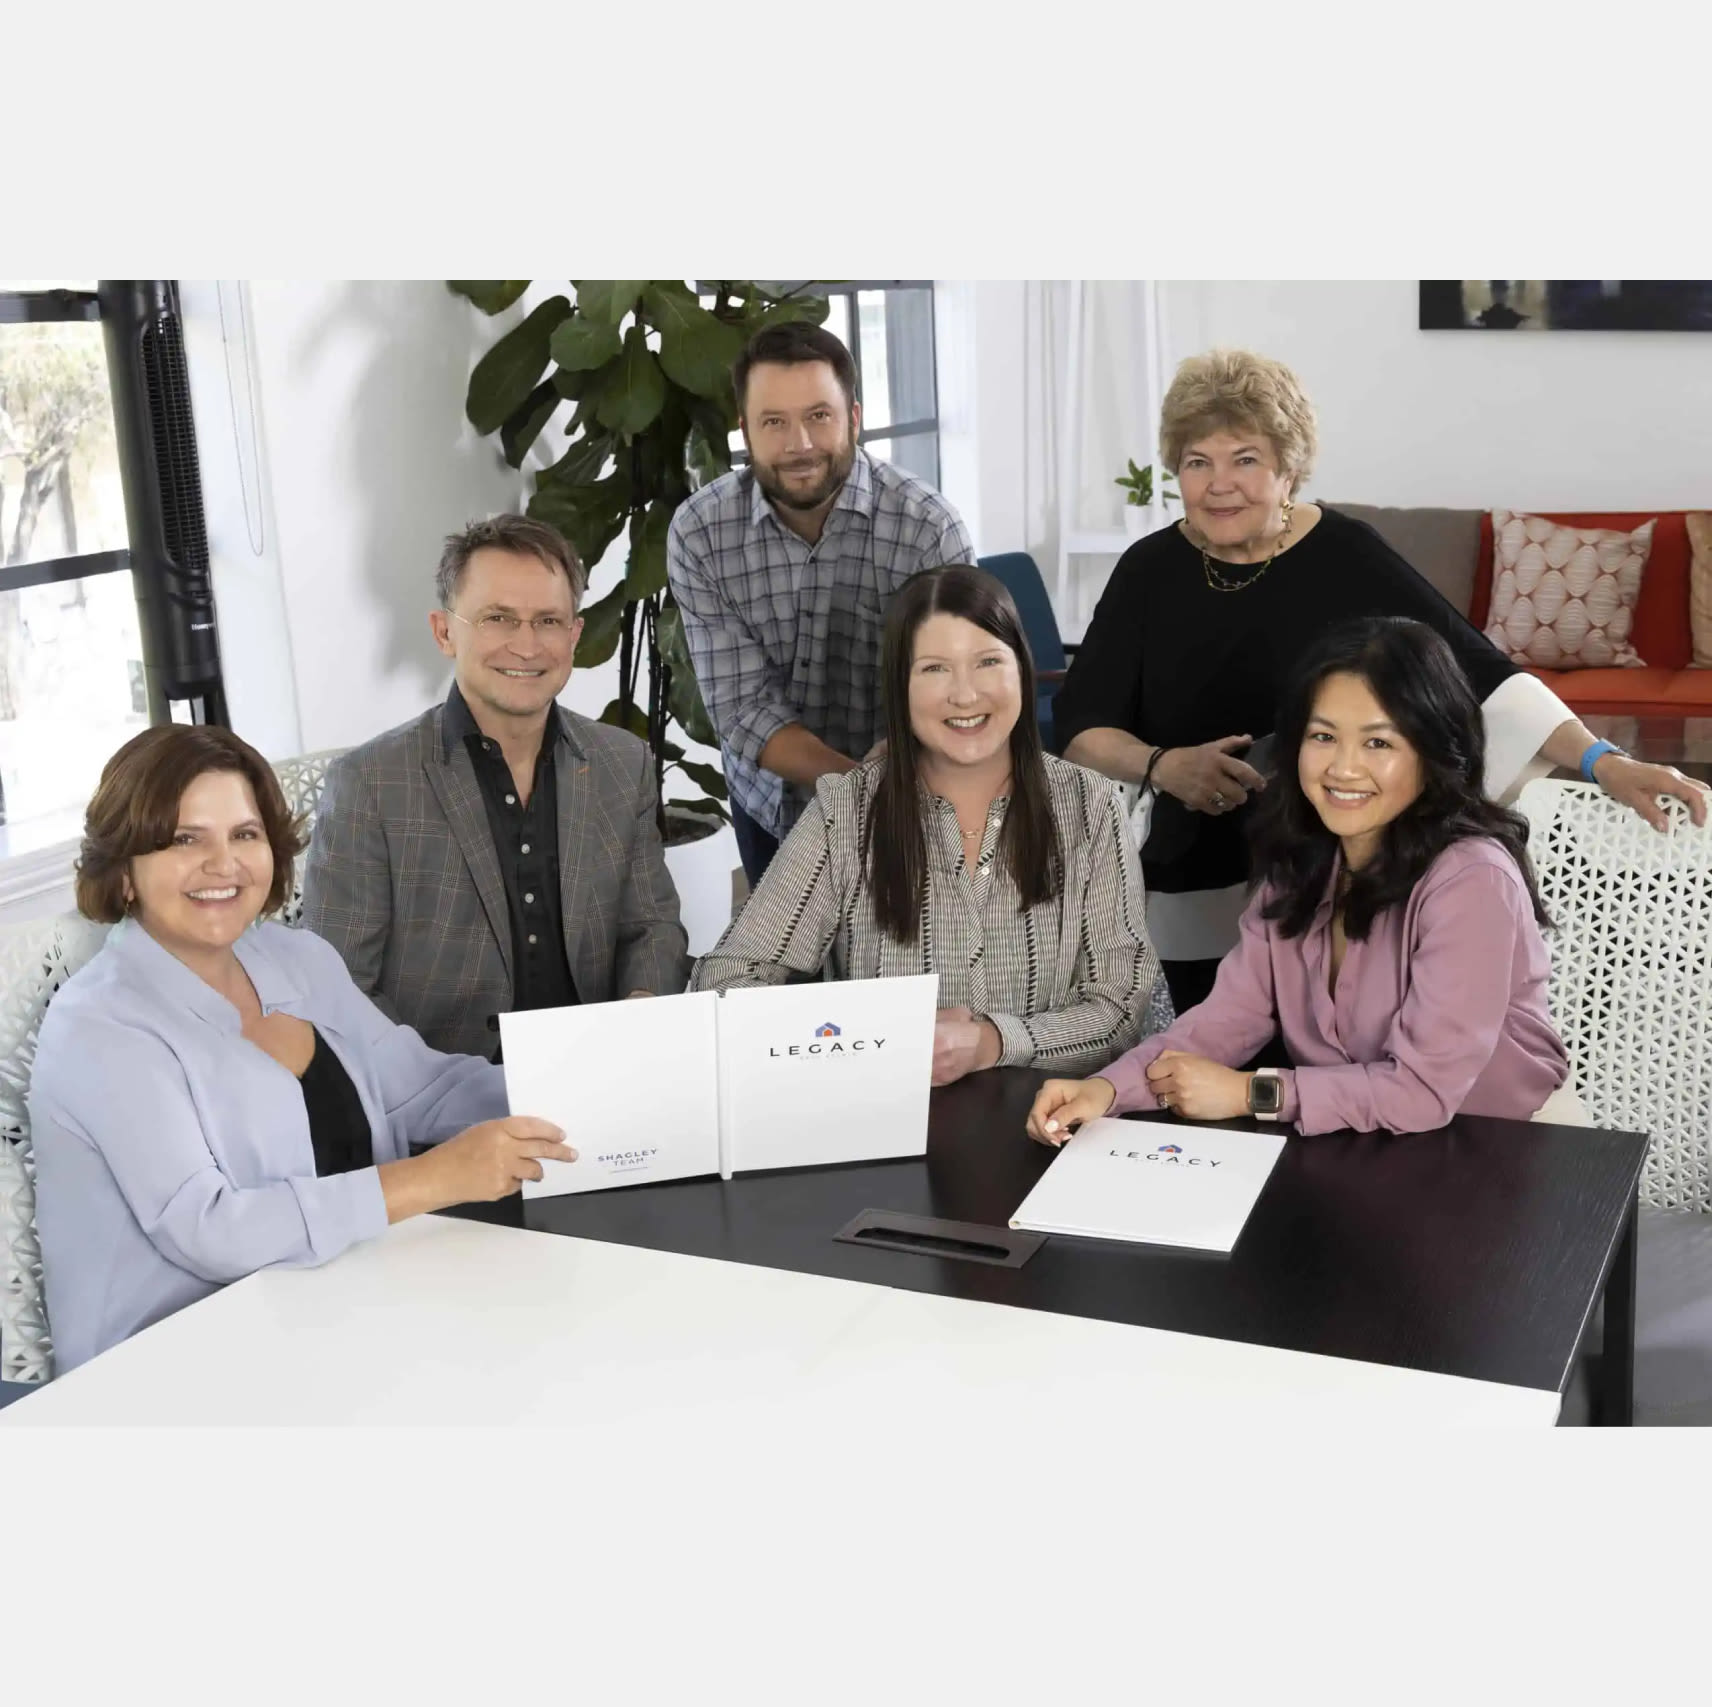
(1218, 800)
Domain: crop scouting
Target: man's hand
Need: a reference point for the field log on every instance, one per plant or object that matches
(799, 757)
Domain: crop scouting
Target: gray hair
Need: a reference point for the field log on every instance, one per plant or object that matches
(522, 534)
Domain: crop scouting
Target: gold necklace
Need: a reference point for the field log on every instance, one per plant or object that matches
(1220, 584)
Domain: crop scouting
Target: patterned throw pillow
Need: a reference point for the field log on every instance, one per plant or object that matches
(1563, 598)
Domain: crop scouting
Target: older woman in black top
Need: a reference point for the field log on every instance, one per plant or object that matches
(1202, 622)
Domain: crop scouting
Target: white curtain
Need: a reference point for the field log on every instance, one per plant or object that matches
(1115, 377)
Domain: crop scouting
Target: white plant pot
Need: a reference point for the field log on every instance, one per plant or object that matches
(1138, 520)
(702, 873)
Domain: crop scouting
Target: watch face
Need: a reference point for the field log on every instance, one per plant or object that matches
(1265, 1094)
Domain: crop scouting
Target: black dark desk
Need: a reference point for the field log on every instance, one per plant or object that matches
(1477, 1251)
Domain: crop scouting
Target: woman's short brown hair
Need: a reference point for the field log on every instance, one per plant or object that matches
(1228, 391)
(135, 810)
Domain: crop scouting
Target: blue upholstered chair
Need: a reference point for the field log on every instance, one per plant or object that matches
(1021, 575)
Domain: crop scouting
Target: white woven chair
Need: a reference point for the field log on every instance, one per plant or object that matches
(1631, 986)
(1631, 995)
(36, 958)
(303, 779)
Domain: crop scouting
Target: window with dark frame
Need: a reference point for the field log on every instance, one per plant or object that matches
(887, 326)
(71, 651)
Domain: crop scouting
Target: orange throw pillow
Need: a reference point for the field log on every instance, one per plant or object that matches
(1563, 598)
(1700, 587)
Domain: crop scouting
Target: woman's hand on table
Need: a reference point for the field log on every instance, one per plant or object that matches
(963, 1044)
(1209, 778)
(1196, 1088)
(1638, 785)
(1061, 1104)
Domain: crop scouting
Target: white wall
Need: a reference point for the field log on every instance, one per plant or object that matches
(371, 464)
(239, 513)
(1531, 420)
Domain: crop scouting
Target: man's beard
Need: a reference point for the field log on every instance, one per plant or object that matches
(811, 497)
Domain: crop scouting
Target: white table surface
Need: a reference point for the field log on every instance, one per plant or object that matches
(453, 1322)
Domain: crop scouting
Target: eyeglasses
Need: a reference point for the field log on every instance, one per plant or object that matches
(496, 625)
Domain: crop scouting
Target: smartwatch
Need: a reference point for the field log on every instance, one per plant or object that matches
(1265, 1094)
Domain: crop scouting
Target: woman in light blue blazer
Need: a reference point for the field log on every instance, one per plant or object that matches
(213, 1095)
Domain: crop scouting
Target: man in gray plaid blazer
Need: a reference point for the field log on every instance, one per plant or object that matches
(499, 852)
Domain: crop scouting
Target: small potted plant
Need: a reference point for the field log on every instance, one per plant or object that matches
(1138, 506)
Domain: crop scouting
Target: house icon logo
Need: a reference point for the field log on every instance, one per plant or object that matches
(1171, 1149)
(829, 1040)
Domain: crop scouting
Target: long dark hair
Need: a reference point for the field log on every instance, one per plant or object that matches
(894, 838)
(1414, 675)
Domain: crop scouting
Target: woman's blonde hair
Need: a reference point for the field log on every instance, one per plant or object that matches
(1228, 391)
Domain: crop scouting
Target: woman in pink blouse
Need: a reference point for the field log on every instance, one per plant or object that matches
(1394, 934)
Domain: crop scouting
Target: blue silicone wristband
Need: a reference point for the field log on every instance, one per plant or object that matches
(1594, 754)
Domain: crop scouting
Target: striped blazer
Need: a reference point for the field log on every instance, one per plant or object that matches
(1066, 983)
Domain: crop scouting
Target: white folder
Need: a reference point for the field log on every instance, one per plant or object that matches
(675, 1086)
(1152, 1182)
(633, 1085)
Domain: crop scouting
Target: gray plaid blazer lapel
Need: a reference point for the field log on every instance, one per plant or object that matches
(455, 787)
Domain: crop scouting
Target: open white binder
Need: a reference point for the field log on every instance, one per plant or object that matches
(1152, 1182)
(674, 1086)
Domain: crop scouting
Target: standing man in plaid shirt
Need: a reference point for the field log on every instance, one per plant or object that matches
(783, 571)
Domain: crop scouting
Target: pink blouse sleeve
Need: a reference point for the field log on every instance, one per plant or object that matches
(1450, 1022)
(1237, 1017)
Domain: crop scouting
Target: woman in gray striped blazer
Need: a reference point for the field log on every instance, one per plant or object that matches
(965, 850)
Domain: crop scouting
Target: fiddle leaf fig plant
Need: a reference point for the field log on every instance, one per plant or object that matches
(647, 365)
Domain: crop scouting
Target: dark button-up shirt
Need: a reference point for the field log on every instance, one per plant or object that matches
(526, 841)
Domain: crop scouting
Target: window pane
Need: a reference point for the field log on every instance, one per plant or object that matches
(909, 354)
(71, 693)
(876, 384)
(915, 453)
(59, 470)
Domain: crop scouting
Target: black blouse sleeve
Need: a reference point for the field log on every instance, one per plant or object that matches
(1391, 585)
(1103, 687)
